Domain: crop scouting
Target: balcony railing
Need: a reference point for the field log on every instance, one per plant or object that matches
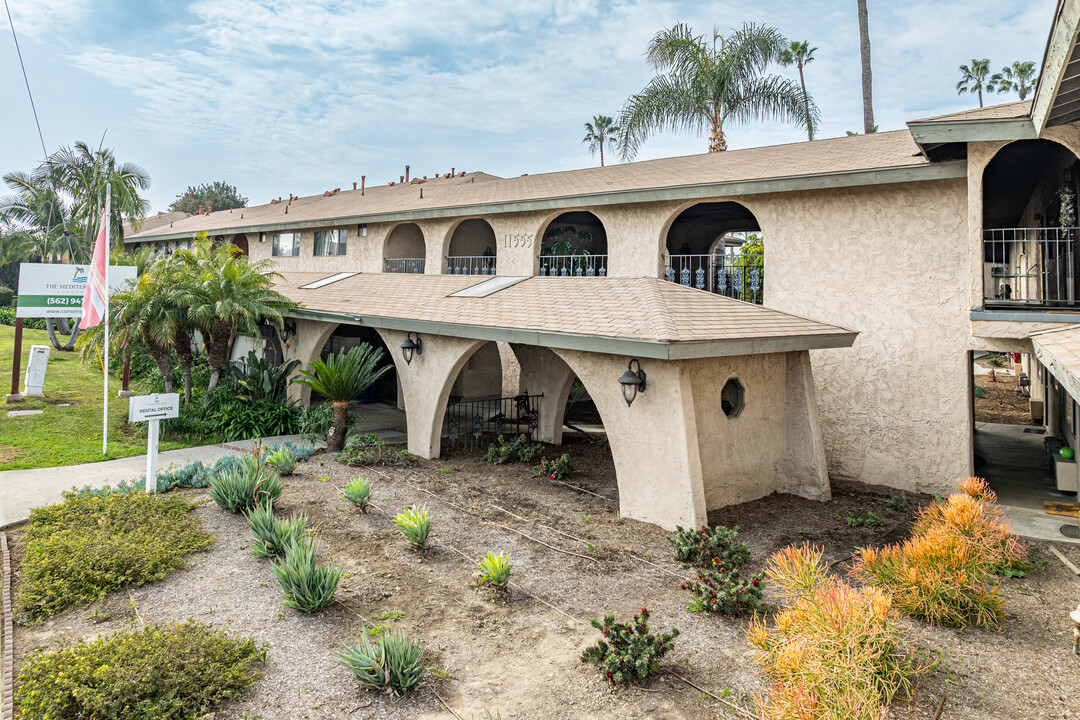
(403, 265)
(470, 265)
(573, 265)
(1034, 268)
(735, 275)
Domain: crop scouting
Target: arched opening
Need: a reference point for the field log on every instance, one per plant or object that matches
(1031, 257)
(574, 244)
(472, 249)
(477, 409)
(380, 408)
(404, 251)
(717, 247)
(241, 242)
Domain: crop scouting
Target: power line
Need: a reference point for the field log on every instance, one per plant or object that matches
(22, 65)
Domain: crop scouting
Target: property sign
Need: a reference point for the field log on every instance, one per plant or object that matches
(162, 406)
(56, 290)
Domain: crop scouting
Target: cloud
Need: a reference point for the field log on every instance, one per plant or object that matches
(45, 18)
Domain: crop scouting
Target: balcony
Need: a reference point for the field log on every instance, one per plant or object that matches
(1031, 268)
(403, 265)
(734, 275)
(582, 265)
(470, 265)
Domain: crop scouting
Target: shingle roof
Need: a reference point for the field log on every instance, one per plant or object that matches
(628, 308)
(1004, 111)
(894, 149)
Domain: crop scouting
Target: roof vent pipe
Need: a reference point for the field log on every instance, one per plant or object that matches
(363, 180)
(401, 178)
(452, 172)
(354, 186)
(421, 193)
(406, 173)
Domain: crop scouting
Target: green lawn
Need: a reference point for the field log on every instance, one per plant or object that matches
(63, 435)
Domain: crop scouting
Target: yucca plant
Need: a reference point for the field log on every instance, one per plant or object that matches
(283, 460)
(358, 491)
(494, 570)
(306, 584)
(273, 535)
(251, 484)
(415, 524)
(390, 664)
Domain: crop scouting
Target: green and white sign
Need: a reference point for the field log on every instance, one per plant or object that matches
(56, 290)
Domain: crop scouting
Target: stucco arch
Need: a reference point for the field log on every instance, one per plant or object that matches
(582, 220)
(405, 240)
(543, 372)
(1013, 173)
(468, 237)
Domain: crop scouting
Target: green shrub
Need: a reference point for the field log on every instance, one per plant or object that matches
(79, 550)
(167, 671)
(306, 584)
(283, 460)
(628, 651)
(315, 421)
(723, 591)
(556, 469)
(415, 524)
(261, 378)
(244, 488)
(243, 419)
(7, 317)
(979, 391)
(358, 491)
(391, 664)
(899, 503)
(520, 449)
(494, 570)
(709, 547)
(869, 520)
(368, 449)
(273, 535)
(7, 297)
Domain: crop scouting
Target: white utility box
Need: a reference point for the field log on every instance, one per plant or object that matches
(34, 382)
(1066, 473)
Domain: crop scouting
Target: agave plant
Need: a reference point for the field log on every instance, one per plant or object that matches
(249, 485)
(358, 491)
(306, 584)
(494, 570)
(283, 460)
(273, 535)
(415, 524)
(391, 664)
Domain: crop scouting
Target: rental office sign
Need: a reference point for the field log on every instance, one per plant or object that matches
(56, 290)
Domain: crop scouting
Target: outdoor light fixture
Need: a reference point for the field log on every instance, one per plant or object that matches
(410, 346)
(632, 381)
(288, 328)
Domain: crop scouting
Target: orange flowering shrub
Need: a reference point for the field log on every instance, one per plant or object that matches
(945, 572)
(835, 652)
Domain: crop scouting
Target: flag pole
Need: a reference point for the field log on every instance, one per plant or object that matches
(108, 242)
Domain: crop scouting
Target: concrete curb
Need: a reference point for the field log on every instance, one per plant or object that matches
(7, 646)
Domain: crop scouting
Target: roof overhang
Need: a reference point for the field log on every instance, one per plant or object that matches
(660, 350)
(821, 181)
(1057, 97)
(1057, 351)
(939, 132)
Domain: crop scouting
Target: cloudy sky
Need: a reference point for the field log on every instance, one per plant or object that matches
(303, 96)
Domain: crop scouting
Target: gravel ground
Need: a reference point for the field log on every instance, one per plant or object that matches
(519, 657)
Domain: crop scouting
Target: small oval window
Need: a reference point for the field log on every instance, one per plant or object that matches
(731, 398)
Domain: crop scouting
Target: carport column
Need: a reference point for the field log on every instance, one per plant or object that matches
(805, 471)
(425, 384)
(306, 346)
(544, 372)
(654, 442)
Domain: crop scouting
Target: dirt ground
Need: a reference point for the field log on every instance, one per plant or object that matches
(1002, 404)
(521, 659)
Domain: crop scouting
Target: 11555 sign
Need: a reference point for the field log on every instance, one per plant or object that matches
(518, 240)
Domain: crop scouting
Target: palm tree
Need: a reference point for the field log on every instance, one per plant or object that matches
(869, 126)
(602, 129)
(342, 377)
(703, 85)
(973, 78)
(800, 54)
(225, 293)
(1020, 77)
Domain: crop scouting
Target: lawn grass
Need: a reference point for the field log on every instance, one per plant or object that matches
(63, 435)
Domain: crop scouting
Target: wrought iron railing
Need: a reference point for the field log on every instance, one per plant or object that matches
(735, 275)
(403, 265)
(476, 423)
(574, 265)
(1031, 267)
(470, 265)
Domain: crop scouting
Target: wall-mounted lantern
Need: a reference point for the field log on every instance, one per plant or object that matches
(410, 346)
(632, 381)
(288, 328)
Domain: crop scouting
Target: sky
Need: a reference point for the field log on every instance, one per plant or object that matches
(304, 96)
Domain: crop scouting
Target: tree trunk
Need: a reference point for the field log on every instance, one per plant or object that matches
(183, 354)
(62, 326)
(601, 152)
(217, 349)
(980, 96)
(335, 439)
(867, 79)
(717, 142)
(806, 104)
(161, 359)
(1023, 92)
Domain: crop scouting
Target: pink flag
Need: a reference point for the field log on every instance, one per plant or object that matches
(96, 295)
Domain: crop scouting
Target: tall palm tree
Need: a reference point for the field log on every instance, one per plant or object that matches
(973, 78)
(704, 84)
(869, 126)
(800, 54)
(1020, 77)
(600, 130)
(342, 377)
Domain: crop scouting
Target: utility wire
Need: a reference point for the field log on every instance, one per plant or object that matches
(22, 65)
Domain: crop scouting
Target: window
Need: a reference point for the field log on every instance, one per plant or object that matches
(731, 398)
(330, 242)
(286, 245)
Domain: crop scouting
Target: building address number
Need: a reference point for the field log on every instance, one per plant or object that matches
(514, 240)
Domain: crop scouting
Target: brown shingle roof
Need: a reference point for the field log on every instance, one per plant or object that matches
(894, 149)
(1004, 111)
(628, 308)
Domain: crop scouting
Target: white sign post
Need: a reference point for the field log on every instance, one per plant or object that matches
(153, 409)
